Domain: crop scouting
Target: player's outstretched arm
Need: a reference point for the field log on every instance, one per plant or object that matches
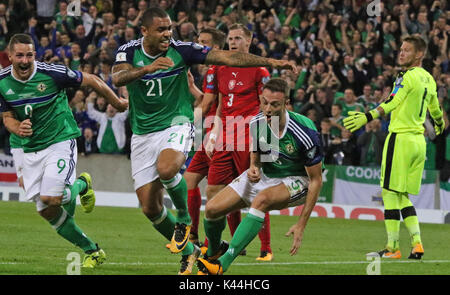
(125, 73)
(242, 59)
(22, 129)
(102, 89)
(314, 187)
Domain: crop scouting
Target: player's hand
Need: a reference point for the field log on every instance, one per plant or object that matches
(25, 128)
(354, 121)
(297, 231)
(439, 125)
(121, 105)
(161, 63)
(284, 64)
(253, 174)
(210, 145)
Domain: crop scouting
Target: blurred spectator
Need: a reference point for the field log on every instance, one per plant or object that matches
(371, 143)
(329, 142)
(111, 135)
(87, 142)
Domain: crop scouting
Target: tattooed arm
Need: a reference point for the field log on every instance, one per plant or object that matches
(241, 59)
(125, 73)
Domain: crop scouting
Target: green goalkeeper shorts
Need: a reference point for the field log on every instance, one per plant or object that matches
(403, 162)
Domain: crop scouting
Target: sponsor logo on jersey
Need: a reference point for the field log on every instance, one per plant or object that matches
(234, 74)
(140, 63)
(310, 154)
(71, 73)
(264, 80)
(10, 92)
(41, 87)
(231, 84)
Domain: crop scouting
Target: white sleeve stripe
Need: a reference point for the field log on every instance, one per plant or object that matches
(297, 127)
(301, 137)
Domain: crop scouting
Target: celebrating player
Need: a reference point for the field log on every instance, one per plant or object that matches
(239, 90)
(154, 70)
(290, 175)
(35, 107)
(404, 150)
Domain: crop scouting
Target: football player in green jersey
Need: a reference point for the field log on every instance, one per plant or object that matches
(35, 107)
(404, 151)
(154, 70)
(285, 171)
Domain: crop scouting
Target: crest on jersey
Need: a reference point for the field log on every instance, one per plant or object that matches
(41, 87)
(209, 78)
(398, 82)
(231, 84)
(265, 79)
(290, 148)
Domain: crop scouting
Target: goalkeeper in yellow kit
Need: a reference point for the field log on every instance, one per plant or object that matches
(404, 150)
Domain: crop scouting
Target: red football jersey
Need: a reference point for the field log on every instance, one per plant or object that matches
(240, 89)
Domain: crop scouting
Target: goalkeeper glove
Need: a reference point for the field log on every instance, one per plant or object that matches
(356, 120)
(439, 125)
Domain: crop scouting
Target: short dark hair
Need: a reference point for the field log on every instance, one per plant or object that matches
(150, 13)
(239, 26)
(417, 41)
(218, 37)
(278, 85)
(19, 39)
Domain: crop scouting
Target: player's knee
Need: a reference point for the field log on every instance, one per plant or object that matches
(212, 211)
(261, 202)
(51, 201)
(151, 212)
(166, 172)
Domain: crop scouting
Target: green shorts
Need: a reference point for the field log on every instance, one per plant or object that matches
(403, 162)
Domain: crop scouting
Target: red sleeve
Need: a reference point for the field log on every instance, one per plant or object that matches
(262, 77)
(210, 81)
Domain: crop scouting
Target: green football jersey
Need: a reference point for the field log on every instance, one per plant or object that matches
(43, 100)
(160, 99)
(414, 92)
(298, 146)
(15, 141)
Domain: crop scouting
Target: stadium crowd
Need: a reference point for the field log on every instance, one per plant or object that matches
(345, 52)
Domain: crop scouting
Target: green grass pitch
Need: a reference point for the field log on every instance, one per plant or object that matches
(29, 246)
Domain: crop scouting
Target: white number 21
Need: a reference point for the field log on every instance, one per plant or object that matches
(152, 85)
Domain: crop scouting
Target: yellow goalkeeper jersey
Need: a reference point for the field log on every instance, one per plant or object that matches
(413, 94)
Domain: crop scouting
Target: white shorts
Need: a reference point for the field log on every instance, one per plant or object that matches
(145, 150)
(296, 185)
(17, 154)
(47, 172)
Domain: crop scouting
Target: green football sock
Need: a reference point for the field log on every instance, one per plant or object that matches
(392, 218)
(213, 231)
(177, 190)
(246, 231)
(65, 226)
(410, 218)
(164, 223)
(70, 195)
